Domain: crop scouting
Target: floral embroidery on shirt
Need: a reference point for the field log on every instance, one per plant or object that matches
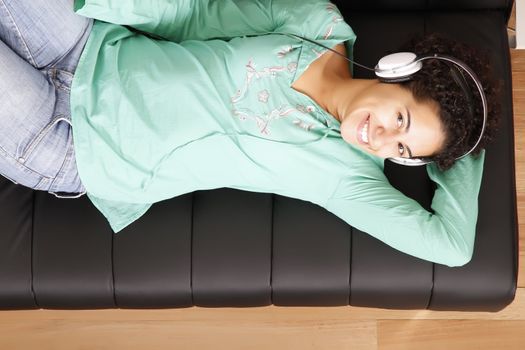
(298, 122)
(263, 119)
(305, 109)
(285, 51)
(292, 67)
(251, 72)
(263, 96)
(336, 18)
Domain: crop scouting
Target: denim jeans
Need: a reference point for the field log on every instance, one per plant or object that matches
(40, 44)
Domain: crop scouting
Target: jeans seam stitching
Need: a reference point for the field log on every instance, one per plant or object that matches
(57, 83)
(63, 87)
(41, 183)
(61, 171)
(38, 139)
(22, 166)
(19, 34)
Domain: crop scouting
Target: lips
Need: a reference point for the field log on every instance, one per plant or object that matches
(362, 131)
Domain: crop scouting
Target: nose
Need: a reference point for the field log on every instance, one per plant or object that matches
(382, 137)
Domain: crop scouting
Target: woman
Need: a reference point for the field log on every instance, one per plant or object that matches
(208, 94)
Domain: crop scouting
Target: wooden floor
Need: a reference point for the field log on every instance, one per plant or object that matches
(286, 328)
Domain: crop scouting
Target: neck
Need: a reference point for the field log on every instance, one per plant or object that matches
(341, 92)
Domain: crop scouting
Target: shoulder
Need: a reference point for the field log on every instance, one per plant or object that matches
(314, 19)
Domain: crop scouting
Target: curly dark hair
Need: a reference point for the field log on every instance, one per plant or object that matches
(434, 83)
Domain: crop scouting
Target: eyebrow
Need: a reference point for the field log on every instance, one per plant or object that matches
(409, 118)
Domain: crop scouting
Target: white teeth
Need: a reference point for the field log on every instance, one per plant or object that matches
(364, 132)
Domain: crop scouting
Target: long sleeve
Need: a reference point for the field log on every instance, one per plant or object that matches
(446, 236)
(178, 20)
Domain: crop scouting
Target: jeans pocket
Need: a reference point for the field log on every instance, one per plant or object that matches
(19, 174)
(40, 138)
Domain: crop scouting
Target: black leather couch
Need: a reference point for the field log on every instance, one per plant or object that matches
(233, 248)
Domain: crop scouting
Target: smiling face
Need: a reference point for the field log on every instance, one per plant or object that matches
(386, 121)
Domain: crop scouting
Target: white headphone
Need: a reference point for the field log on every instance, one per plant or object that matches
(401, 66)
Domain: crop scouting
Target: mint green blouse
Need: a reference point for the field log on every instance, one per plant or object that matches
(205, 101)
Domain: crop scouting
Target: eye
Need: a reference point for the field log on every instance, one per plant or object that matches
(401, 149)
(400, 120)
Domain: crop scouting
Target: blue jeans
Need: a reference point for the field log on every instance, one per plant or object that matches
(40, 44)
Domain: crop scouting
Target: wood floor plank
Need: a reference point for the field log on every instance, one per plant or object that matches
(517, 60)
(518, 91)
(184, 334)
(450, 335)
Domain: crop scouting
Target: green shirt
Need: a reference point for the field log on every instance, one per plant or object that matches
(207, 103)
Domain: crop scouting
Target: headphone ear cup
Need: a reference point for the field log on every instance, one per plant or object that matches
(395, 80)
(397, 67)
(410, 161)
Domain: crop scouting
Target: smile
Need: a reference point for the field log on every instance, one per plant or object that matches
(362, 131)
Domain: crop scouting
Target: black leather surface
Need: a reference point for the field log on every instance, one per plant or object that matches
(16, 227)
(232, 248)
